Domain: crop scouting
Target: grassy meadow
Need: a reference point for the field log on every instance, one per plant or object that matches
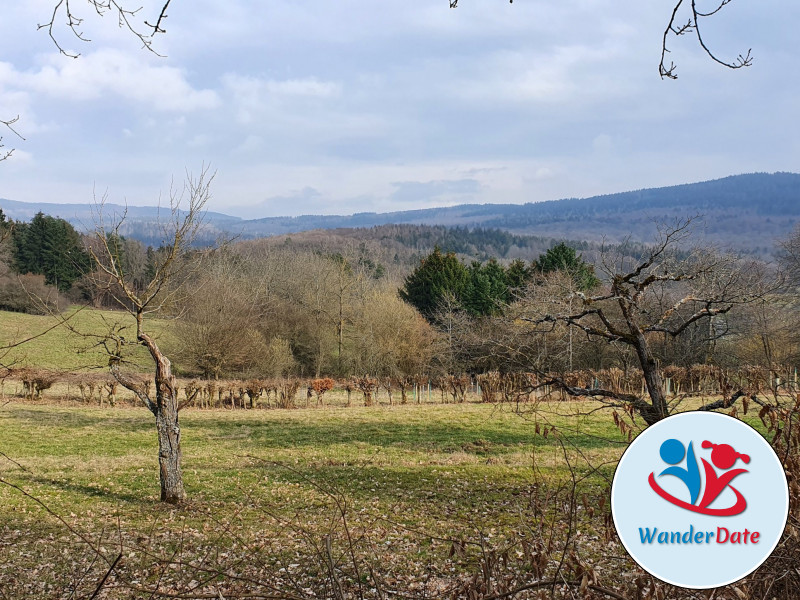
(415, 482)
(428, 500)
(75, 348)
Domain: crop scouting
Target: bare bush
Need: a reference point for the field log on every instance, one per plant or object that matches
(29, 294)
(368, 386)
(287, 390)
(35, 381)
(321, 387)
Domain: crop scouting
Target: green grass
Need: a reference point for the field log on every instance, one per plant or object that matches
(62, 349)
(406, 451)
(264, 484)
(449, 471)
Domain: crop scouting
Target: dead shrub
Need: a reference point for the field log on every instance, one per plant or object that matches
(321, 387)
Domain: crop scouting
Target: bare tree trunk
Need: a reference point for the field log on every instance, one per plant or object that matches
(340, 336)
(658, 404)
(169, 454)
(165, 408)
(169, 432)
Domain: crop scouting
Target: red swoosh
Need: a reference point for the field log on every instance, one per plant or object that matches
(737, 508)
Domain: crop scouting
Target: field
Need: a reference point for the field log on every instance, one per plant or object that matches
(418, 480)
(59, 348)
(430, 500)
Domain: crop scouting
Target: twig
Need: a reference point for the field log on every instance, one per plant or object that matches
(103, 580)
(550, 582)
(7, 457)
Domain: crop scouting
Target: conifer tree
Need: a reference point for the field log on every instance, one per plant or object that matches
(436, 276)
(565, 258)
(51, 247)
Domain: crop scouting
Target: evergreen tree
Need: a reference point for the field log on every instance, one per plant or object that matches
(51, 247)
(116, 248)
(517, 276)
(151, 263)
(436, 276)
(565, 258)
(487, 291)
(5, 227)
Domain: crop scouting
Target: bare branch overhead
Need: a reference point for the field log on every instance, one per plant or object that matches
(128, 17)
(678, 28)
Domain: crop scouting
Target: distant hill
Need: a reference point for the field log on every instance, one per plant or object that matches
(745, 212)
(141, 222)
(399, 248)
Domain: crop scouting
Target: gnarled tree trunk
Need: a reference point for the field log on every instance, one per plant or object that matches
(169, 453)
(658, 408)
(169, 432)
(165, 409)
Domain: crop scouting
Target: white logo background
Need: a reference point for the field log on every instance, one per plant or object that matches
(635, 505)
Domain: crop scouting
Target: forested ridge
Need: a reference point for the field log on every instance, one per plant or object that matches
(405, 299)
(747, 212)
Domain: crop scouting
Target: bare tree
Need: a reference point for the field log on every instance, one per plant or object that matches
(664, 293)
(390, 338)
(218, 333)
(790, 256)
(165, 283)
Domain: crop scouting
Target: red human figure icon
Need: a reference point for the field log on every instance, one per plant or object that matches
(724, 457)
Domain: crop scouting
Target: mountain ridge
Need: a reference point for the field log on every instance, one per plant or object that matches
(747, 212)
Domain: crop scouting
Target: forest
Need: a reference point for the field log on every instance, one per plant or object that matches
(410, 300)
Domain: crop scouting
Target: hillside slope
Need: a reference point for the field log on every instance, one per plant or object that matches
(745, 212)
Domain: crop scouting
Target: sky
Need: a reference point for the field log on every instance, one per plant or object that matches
(310, 107)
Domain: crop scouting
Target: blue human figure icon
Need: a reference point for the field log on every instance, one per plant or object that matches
(672, 453)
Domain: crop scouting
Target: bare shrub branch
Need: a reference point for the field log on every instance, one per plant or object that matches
(4, 154)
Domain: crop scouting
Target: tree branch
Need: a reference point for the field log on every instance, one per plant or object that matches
(131, 384)
(693, 24)
(126, 16)
(8, 124)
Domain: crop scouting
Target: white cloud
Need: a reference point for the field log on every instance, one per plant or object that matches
(451, 190)
(252, 143)
(553, 76)
(256, 89)
(533, 100)
(95, 76)
(254, 95)
(309, 87)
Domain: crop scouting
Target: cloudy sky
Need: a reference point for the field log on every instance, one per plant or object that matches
(304, 106)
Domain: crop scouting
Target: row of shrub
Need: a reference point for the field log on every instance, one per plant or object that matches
(494, 386)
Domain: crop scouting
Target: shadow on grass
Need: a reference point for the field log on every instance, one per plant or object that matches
(43, 414)
(90, 491)
(461, 486)
(481, 437)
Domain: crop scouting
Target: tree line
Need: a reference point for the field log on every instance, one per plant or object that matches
(46, 264)
(257, 308)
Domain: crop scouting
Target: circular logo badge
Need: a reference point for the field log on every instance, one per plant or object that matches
(699, 500)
